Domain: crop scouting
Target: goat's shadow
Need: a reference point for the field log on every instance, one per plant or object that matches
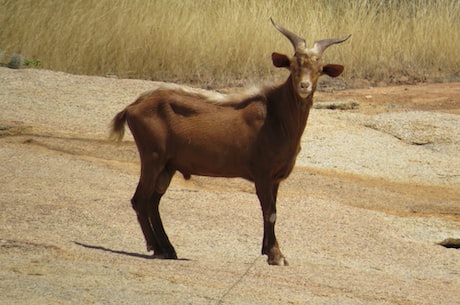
(132, 254)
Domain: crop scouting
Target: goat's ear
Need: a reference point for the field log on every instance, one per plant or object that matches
(280, 60)
(333, 70)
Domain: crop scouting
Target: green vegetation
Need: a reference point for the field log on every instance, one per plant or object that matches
(16, 61)
(225, 42)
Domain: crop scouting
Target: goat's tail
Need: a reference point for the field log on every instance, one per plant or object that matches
(117, 129)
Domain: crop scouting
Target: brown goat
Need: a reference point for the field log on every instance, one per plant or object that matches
(255, 136)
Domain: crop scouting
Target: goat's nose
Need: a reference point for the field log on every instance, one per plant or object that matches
(305, 85)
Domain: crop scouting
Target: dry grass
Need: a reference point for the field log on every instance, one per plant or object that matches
(212, 42)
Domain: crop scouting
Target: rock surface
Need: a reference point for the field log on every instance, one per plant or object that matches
(361, 219)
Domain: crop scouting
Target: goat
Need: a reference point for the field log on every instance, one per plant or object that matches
(255, 136)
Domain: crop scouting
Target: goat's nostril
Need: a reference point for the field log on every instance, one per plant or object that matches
(304, 85)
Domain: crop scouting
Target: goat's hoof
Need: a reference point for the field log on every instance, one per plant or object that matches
(277, 261)
(162, 254)
(275, 257)
(167, 255)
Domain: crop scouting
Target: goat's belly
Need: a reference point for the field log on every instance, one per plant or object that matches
(217, 171)
(217, 145)
(202, 163)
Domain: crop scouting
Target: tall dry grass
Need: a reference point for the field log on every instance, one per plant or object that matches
(222, 42)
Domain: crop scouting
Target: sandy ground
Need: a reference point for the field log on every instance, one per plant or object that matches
(375, 189)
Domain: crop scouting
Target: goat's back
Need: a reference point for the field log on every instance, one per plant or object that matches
(196, 135)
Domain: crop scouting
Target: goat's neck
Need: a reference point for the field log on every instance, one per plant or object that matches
(289, 110)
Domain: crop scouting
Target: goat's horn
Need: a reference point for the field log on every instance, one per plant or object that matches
(297, 42)
(322, 45)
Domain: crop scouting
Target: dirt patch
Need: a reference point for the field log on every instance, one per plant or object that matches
(438, 97)
(362, 219)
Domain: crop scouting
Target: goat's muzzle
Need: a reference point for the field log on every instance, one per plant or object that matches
(305, 88)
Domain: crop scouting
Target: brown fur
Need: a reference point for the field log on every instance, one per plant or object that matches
(254, 136)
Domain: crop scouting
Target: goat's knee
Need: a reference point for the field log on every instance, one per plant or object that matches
(137, 204)
(141, 197)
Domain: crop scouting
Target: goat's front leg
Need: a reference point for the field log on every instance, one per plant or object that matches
(267, 193)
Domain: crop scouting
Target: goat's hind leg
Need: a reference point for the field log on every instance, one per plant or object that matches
(142, 201)
(164, 247)
(141, 206)
(146, 202)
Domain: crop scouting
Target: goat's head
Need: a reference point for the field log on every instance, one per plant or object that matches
(306, 65)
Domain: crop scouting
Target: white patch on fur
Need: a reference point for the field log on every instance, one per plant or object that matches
(272, 218)
(208, 95)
